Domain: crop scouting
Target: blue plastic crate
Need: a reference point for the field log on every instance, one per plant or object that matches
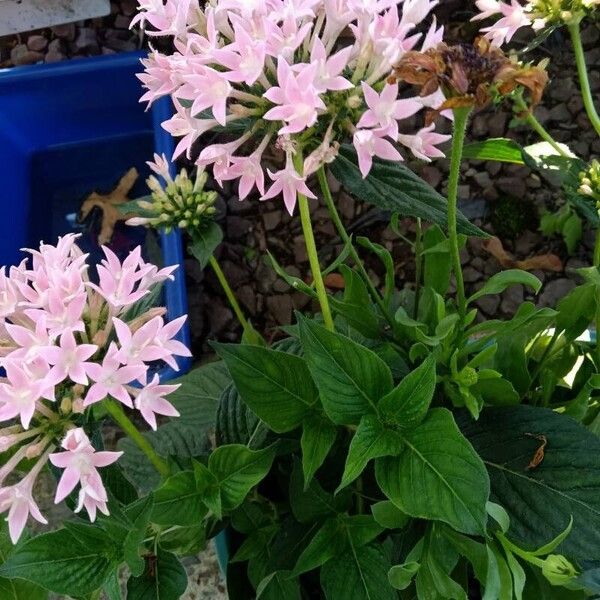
(69, 129)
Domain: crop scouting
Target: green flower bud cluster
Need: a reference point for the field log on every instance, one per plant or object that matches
(589, 182)
(182, 203)
(561, 11)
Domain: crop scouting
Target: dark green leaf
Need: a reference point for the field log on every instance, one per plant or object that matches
(351, 378)
(205, 242)
(277, 586)
(401, 576)
(275, 385)
(324, 546)
(179, 500)
(358, 575)
(371, 440)
(388, 515)
(407, 404)
(395, 188)
(184, 541)
(61, 563)
(576, 310)
(437, 267)
(238, 469)
(500, 149)
(318, 436)
(163, 579)
(542, 500)
(136, 535)
(438, 475)
(294, 282)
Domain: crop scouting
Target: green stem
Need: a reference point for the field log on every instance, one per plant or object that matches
(337, 221)
(418, 265)
(537, 126)
(461, 118)
(116, 411)
(311, 249)
(526, 556)
(239, 313)
(584, 82)
(597, 249)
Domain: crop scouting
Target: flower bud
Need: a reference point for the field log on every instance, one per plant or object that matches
(558, 570)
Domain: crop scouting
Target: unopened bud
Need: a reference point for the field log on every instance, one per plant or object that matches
(66, 405)
(558, 570)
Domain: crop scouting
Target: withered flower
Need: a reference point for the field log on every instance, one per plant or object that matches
(469, 74)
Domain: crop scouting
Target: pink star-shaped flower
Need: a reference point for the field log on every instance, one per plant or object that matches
(150, 401)
(288, 183)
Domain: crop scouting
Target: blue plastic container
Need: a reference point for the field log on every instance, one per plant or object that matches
(67, 130)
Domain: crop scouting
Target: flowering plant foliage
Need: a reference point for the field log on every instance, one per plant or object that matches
(392, 445)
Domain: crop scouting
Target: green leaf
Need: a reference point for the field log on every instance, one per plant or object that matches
(438, 475)
(112, 587)
(388, 515)
(164, 579)
(278, 586)
(351, 378)
(401, 576)
(238, 469)
(356, 307)
(61, 563)
(16, 589)
(497, 283)
(576, 310)
(385, 257)
(179, 501)
(237, 424)
(323, 547)
(371, 440)
(555, 543)
(572, 231)
(541, 501)
(395, 188)
(136, 535)
(499, 584)
(184, 541)
(437, 267)
(407, 404)
(518, 575)
(313, 502)
(276, 386)
(205, 242)
(318, 436)
(186, 436)
(358, 575)
(499, 149)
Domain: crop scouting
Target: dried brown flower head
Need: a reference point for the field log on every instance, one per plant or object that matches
(468, 74)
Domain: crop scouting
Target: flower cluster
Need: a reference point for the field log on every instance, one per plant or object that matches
(590, 182)
(537, 14)
(178, 203)
(65, 344)
(302, 76)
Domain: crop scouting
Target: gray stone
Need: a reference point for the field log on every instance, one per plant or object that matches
(471, 275)
(554, 291)
(21, 55)
(560, 113)
(86, 39)
(281, 308)
(513, 186)
(431, 175)
(512, 298)
(488, 304)
(219, 316)
(247, 296)
(272, 220)
(238, 227)
(65, 31)
(483, 179)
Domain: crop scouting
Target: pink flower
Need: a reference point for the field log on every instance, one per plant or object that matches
(423, 144)
(369, 143)
(514, 17)
(385, 109)
(207, 89)
(117, 282)
(68, 359)
(487, 9)
(434, 36)
(289, 183)
(80, 462)
(20, 395)
(297, 97)
(150, 401)
(185, 126)
(18, 501)
(245, 58)
(414, 11)
(250, 173)
(171, 347)
(328, 76)
(111, 378)
(141, 346)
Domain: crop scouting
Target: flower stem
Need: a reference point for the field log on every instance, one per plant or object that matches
(311, 249)
(461, 118)
(584, 82)
(237, 309)
(115, 410)
(538, 127)
(418, 265)
(337, 221)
